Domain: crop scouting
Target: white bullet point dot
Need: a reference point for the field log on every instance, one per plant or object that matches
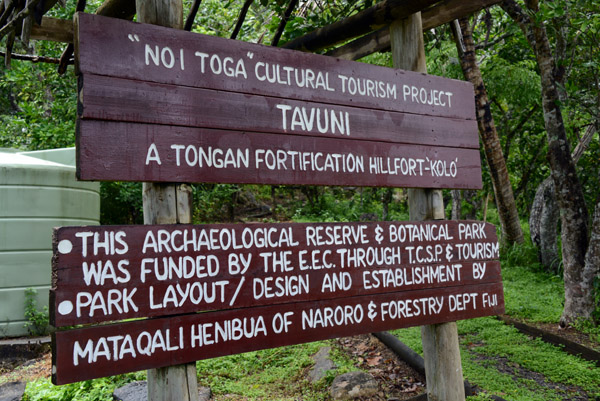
(65, 246)
(65, 307)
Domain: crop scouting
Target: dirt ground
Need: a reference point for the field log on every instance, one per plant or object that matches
(27, 371)
(397, 380)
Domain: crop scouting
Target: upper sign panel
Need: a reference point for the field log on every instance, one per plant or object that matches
(123, 49)
(164, 105)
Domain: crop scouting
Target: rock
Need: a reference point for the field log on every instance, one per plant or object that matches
(138, 391)
(12, 391)
(352, 385)
(204, 393)
(135, 391)
(322, 364)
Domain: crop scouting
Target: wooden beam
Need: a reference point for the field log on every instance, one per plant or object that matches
(440, 341)
(169, 204)
(435, 16)
(53, 29)
(61, 30)
(123, 9)
(373, 18)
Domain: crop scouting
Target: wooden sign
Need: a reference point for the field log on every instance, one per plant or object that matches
(387, 274)
(172, 153)
(157, 104)
(99, 351)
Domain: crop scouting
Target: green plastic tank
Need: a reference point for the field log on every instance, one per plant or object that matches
(38, 191)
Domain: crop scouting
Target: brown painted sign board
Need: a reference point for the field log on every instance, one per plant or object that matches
(314, 119)
(111, 273)
(106, 350)
(145, 152)
(377, 276)
(164, 105)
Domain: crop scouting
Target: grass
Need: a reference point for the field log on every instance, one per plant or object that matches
(506, 363)
(532, 295)
(273, 374)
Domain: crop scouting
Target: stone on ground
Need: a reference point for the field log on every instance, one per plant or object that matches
(322, 364)
(12, 391)
(353, 385)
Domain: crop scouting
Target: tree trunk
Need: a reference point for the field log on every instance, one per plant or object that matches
(591, 270)
(505, 201)
(543, 220)
(543, 224)
(579, 299)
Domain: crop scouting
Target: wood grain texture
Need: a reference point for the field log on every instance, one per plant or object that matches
(178, 347)
(109, 47)
(116, 99)
(53, 29)
(212, 279)
(119, 151)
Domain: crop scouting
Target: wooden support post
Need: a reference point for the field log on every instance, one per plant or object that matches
(167, 204)
(443, 367)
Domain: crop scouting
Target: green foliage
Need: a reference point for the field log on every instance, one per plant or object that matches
(37, 321)
(38, 108)
(89, 390)
(330, 204)
(121, 203)
(269, 374)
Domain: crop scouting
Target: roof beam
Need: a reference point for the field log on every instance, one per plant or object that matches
(373, 18)
(61, 30)
(437, 15)
(53, 29)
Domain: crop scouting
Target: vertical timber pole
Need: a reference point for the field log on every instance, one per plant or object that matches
(167, 204)
(443, 368)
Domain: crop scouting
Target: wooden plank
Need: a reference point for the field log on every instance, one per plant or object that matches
(145, 52)
(141, 152)
(106, 350)
(116, 99)
(175, 269)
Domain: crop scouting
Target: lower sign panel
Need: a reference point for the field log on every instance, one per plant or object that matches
(160, 153)
(100, 351)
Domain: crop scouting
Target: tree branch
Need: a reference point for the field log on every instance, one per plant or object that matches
(486, 45)
(33, 58)
(18, 18)
(283, 22)
(241, 18)
(189, 22)
(521, 18)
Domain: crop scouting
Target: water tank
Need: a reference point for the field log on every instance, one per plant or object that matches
(38, 191)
